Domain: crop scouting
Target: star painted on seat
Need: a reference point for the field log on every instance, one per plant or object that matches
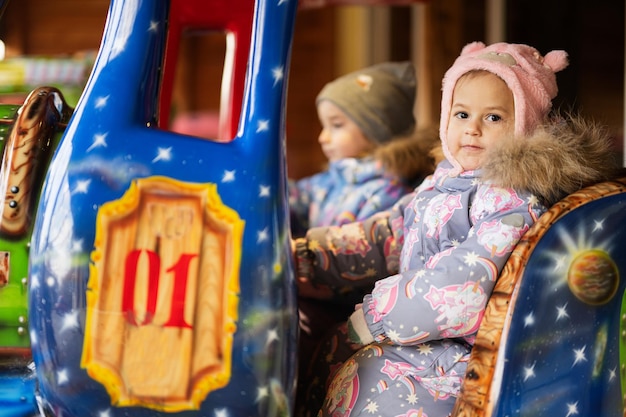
(70, 321)
(99, 140)
(529, 372)
(163, 154)
(229, 176)
(272, 336)
(62, 377)
(264, 190)
(579, 355)
(101, 102)
(263, 126)
(572, 408)
(598, 225)
(278, 74)
(561, 312)
(262, 235)
(82, 186)
(529, 320)
(262, 392)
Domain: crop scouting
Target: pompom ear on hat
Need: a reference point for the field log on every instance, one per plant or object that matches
(529, 75)
(379, 99)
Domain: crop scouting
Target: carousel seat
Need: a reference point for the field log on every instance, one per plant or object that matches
(551, 343)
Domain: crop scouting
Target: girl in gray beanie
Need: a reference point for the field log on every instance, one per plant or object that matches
(368, 137)
(374, 158)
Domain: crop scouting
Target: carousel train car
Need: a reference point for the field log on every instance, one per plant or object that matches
(552, 338)
(159, 278)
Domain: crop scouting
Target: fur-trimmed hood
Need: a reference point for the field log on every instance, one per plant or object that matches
(411, 157)
(558, 159)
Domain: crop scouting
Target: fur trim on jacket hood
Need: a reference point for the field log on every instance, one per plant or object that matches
(555, 161)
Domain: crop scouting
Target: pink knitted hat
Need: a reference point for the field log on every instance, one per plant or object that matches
(530, 77)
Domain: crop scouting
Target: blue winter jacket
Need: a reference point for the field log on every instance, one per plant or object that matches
(349, 190)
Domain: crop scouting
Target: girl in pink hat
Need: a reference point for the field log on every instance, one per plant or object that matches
(427, 267)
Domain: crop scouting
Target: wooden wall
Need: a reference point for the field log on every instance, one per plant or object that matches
(40, 27)
(312, 66)
(432, 37)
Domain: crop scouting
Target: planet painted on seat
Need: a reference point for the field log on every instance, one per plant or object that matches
(593, 277)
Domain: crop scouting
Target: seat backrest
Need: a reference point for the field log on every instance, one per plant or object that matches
(550, 343)
(30, 134)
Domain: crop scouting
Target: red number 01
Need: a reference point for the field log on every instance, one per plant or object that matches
(181, 274)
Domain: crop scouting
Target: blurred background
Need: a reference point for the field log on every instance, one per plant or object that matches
(54, 43)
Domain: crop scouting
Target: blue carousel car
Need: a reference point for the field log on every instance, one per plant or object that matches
(145, 273)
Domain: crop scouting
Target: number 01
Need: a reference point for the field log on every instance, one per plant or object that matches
(181, 275)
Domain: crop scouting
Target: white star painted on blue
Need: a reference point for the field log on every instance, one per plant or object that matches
(598, 225)
(62, 377)
(264, 191)
(572, 409)
(229, 176)
(263, 126)
(277, 74)
(529, 372)
(101, 102)
(154, 26)
(579, 355)
(50, 281)
(529, 320)
(262, 235)
(221, 413)
(163, 154)
(34, 282)
(77, 246)
(281, 2)
(105, 413)
(612, 374)
(262, 392)
(560, 262)
(272, 336)
(99, 139)
(70, 321)
(561, 312)
(82, 187)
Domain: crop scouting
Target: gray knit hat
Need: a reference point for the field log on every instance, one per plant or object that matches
(379, 99)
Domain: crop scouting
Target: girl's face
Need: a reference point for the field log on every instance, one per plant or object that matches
(482, 113)
(340, 137)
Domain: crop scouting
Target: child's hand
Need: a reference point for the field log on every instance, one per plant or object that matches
(305, 287)
(305, 322)
(358, 332)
